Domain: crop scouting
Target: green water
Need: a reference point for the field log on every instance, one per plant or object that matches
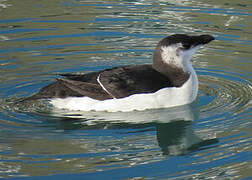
(209, 139)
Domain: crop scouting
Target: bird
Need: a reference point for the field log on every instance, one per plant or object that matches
(168, 82)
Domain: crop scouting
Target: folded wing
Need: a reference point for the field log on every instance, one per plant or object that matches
(120, 82)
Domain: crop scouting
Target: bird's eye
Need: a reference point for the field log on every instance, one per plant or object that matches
(186, 46)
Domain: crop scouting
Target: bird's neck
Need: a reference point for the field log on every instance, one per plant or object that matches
(170, 64)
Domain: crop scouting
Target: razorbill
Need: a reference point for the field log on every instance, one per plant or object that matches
(169, 81)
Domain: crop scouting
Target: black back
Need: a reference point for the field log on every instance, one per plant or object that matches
(120, 82)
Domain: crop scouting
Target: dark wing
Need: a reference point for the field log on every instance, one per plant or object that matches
(128, 80)
(119, 82)
(73, 86)
(89, 78)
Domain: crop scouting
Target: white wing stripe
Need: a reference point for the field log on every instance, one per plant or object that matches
(98, 80)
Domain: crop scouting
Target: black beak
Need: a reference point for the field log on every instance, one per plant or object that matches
(187, 41)
(204, 39)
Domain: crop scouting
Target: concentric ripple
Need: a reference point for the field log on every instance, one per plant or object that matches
(100, 141)
(223, 95)
(209, 139)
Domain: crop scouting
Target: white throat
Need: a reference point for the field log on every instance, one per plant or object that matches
(175, 56)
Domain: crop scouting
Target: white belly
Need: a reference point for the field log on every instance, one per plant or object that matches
(164, 98)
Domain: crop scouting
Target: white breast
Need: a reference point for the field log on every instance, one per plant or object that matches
(164, 98)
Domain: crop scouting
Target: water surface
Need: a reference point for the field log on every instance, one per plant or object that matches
(209, 139)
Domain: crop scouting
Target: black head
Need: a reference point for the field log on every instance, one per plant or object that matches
(186, 41)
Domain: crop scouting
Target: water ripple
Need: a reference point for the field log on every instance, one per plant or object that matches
(209, 139)
(227, 97)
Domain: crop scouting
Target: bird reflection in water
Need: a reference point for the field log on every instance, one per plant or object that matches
(174, 127)
(178, 138)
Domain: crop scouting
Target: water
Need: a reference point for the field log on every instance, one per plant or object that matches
(209, 139)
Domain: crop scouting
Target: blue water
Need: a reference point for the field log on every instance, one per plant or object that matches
(209, 139)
